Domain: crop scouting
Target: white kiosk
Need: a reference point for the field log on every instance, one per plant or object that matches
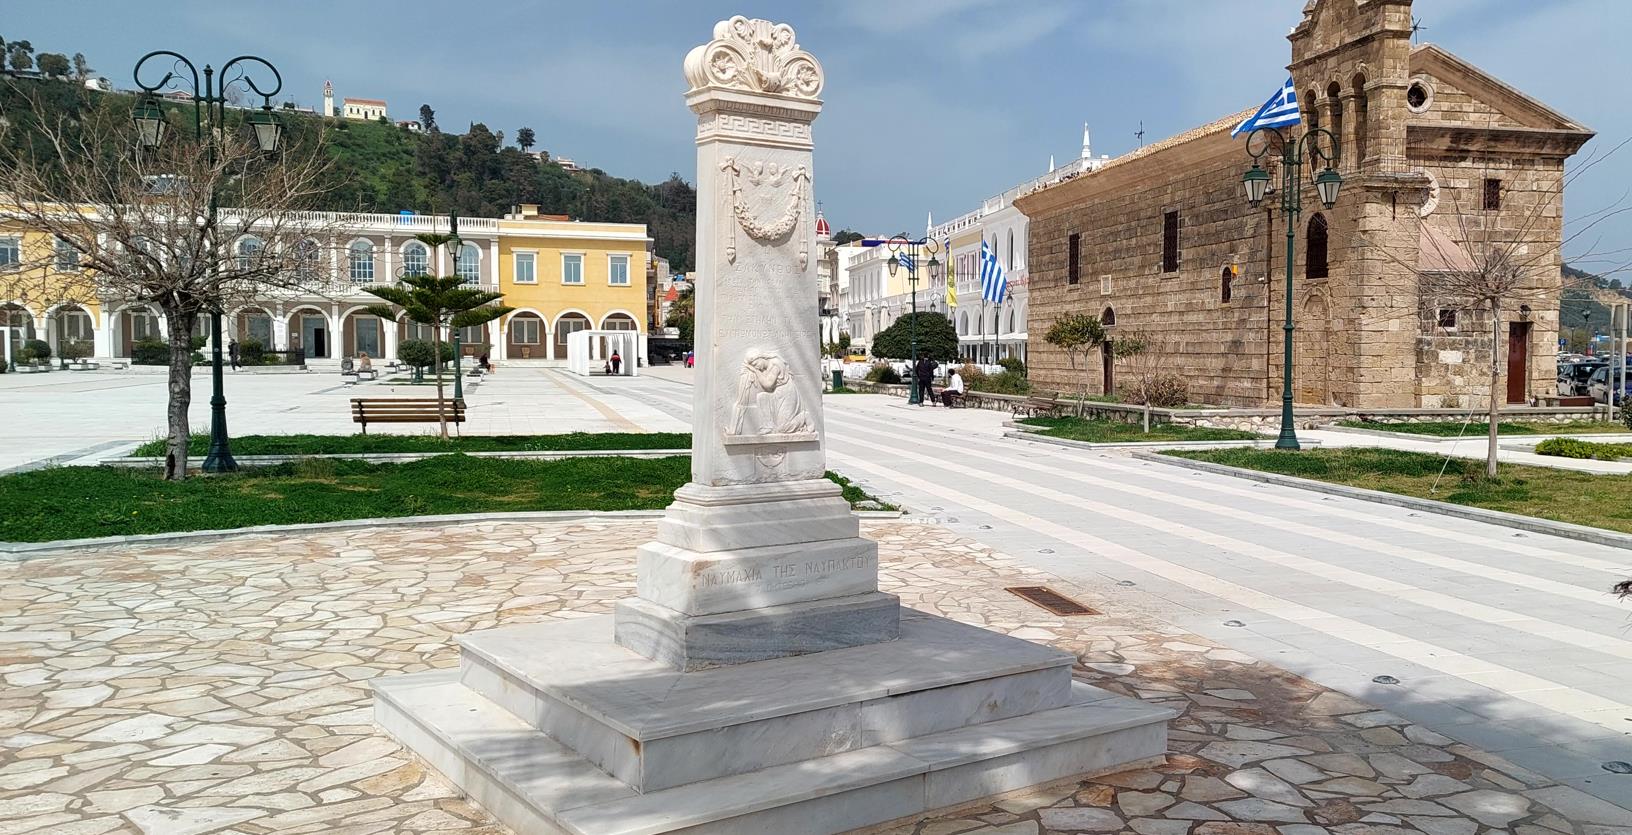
(588, 351)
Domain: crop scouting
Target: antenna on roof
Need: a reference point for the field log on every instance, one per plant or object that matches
(1416, 27)
(1140, 133)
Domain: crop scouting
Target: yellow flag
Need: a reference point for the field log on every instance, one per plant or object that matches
(951, 278)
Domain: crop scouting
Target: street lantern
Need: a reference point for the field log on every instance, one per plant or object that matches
(149, 119)
(1256, 182)
(267, 128)
(934, 268)
(894, 263)
(1327, 183)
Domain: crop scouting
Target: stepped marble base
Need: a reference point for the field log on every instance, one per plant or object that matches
(697, 642)
(556, 728)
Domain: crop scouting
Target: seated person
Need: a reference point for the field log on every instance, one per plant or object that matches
(364, 365)
(954, 389)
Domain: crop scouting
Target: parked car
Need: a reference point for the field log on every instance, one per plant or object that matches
(1573, 377)
(1602, 384)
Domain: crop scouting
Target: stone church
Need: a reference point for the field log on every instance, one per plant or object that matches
(1438, 158)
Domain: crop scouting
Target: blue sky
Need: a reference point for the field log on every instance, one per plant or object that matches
(931, 105)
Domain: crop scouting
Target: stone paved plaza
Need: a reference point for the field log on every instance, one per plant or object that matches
(223, 687)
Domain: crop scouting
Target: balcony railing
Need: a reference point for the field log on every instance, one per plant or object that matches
(394, 224)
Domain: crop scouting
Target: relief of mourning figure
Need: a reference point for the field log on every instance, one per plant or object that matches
(767, 403)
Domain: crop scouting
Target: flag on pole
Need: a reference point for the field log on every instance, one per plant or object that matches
(905, 261)
(951, 275)
(1281, 110)
(993, 285)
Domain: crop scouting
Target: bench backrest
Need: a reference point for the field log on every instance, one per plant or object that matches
(404, 409)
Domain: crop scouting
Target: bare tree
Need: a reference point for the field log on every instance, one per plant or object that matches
(122, 223)
(1144, 372)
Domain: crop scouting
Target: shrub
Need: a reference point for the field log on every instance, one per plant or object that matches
(1626, 411)
(1574, 448)
(883, 372)
(78, 349)
(1166, 391)
(35, 350)
(251, 352)
(150, 352)
(420, 353)
(1013, 364)
(197, 343)
(1003, 382)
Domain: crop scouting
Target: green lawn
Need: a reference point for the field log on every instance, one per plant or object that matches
(1452, 429)
(329, 444)
(76, 502)
(1600, 501)
(1102, 431)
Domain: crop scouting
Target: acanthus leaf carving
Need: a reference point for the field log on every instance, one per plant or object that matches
(755, 55)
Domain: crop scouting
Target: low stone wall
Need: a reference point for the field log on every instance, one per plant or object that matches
(1261, 420)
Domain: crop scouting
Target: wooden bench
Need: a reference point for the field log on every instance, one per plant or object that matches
(1034, 406)
(366, 410)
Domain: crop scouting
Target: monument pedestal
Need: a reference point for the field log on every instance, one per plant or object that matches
(556, 728)
(758, 683)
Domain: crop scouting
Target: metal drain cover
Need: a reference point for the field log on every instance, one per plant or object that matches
(1050, 599)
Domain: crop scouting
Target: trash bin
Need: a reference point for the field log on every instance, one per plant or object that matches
(838, 379)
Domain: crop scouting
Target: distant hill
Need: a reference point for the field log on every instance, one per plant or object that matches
(380, 167)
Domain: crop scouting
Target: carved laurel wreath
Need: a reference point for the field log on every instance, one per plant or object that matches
(772, 175)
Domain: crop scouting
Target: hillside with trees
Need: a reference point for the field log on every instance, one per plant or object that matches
(382, 167)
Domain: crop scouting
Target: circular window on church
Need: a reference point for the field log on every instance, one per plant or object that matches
(1418, 96)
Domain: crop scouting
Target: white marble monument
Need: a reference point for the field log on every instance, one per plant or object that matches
(758, 682)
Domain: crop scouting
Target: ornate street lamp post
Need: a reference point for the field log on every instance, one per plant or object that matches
(906, 252)
(1260, 143)
(210, 117)
(458, 349)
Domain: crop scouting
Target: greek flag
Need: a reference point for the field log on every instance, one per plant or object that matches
(993, 286)
(905, 261)
(1281, 110)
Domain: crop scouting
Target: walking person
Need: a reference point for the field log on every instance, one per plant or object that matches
(925, 372)
(232, 353)
(617, 361)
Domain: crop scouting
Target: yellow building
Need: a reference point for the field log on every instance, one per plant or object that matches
(562, 276)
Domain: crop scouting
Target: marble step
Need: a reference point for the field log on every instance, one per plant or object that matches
(534, 784)
(656, 728)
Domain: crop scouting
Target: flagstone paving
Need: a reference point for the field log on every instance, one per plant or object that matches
(223, 687)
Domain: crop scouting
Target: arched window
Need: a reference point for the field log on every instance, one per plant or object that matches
(1225, 278)
(416, 259)
(1316, 265)
(470, 263)
(360, 256)
(248, 247)
(618, 322)
(1107, 318)
(306, 259)
(1334, 98)
(1358, 144)
(1011, 250)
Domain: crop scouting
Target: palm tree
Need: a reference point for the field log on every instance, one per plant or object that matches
(441, 302)
(525, 138)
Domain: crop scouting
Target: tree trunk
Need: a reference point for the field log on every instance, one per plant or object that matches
(1147, 411)
(1082, 396)
(436, 351)
(1496, 393)
(181, 392)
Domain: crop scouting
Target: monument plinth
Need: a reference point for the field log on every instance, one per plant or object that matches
(758, 682)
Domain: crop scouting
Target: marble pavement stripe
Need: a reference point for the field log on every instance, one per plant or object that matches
(1464, 566)
(1565, 700)
(1502, 542)
(1430, 599)
(606, 411)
